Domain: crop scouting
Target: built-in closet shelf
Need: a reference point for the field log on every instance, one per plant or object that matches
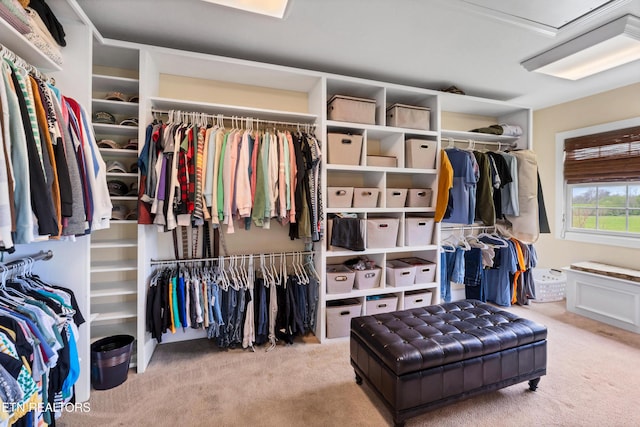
(108, 289)
(103, 331)
(118, 152)
(115, 107)
(396, 249)
(105, 83)
(114, 311)
(377, 291)
(114, 243)
(356, 168)
(476, 136)
(231, 110)
(123, 222)
(124, 198)
(22, 47)
(379, 210)
(381, 130)
(105, 128)
(121, 175)
(107, 266)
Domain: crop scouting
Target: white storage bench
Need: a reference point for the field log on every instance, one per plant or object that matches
(605, 293)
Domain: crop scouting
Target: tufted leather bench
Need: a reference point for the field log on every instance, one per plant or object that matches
(420, 359)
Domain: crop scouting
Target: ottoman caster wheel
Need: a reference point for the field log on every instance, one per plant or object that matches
(358, 379)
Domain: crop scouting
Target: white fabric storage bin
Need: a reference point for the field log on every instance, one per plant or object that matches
(351, 109)
(383, 161)
(396, 197)
(365, 197)
(409, 116)
(383, 304)
(425, 270)
(340, 279)
(419, 197)
(339, 315)
(382, 232)
(418, 231)
(420, 153)
(417, 299)
(339, 197)
(344, 149)
(367, 279)
(400, 273)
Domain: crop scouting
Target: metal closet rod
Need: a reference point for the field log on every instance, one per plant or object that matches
(5, 52)
(467, 227)
(466, 141)
(40, 256)
(241, 118)
(184, 261)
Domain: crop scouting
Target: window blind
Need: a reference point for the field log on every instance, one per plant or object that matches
(611, 156)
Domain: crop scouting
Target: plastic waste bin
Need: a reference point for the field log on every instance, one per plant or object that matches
(110, 358)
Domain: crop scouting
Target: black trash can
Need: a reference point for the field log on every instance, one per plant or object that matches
(110, 358)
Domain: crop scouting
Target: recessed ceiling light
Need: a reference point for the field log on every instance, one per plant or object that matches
(274, 8)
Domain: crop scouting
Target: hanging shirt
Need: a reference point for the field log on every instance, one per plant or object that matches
(464, 187)
(445, 184)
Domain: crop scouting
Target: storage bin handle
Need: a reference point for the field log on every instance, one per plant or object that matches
(424, 146)
(367, 193)
(346, 141)
(405, 273)
(396, 193)
(419, 300)
(421, 224)
(421, 193)
(426, 269)
(369, 275)
(341, 278)
(340, 193)
(344, 313)
(382, 305)
(383, 225)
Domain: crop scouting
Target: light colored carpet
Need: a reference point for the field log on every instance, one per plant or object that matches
(593, 379)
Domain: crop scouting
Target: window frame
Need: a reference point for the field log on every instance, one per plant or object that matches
(564, 196)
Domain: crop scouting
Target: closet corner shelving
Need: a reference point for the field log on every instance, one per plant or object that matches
(114, 251)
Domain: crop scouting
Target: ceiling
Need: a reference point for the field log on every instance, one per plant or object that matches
(476, 45)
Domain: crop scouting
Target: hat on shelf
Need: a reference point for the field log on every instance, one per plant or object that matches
(134, 98)
(119, 212)
(133, 189)
(104, 117)
(117, 188)
(132, 144)
(132, 214)
(108, 143)
(115, 96)
(116, 166)
(134, 167)
(131, 121)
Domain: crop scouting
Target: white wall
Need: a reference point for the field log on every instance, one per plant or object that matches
(618, 104)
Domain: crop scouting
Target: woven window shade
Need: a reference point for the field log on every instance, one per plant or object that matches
(603, 157)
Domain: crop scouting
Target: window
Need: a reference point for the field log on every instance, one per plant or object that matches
(598, 170)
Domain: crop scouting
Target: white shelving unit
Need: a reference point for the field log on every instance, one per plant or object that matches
(114, 252)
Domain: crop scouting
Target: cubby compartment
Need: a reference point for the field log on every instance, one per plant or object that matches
(418, 231)
(384, 149)
(344, 148)
(339, 197)
(411, 109)
(349, 233)
(336, 86)
(364, 187)
(382, 232)
(420, 153)
(417, 299)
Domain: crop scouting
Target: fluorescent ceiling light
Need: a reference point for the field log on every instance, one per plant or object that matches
(274, 8)
(609, 46)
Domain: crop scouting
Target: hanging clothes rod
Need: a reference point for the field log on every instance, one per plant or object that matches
(40, 256)
(473, 141)
(5, 52)
(239, 118)
(467, 227)
(184, 261)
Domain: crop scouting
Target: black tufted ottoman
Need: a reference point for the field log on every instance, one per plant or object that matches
(424, 358)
